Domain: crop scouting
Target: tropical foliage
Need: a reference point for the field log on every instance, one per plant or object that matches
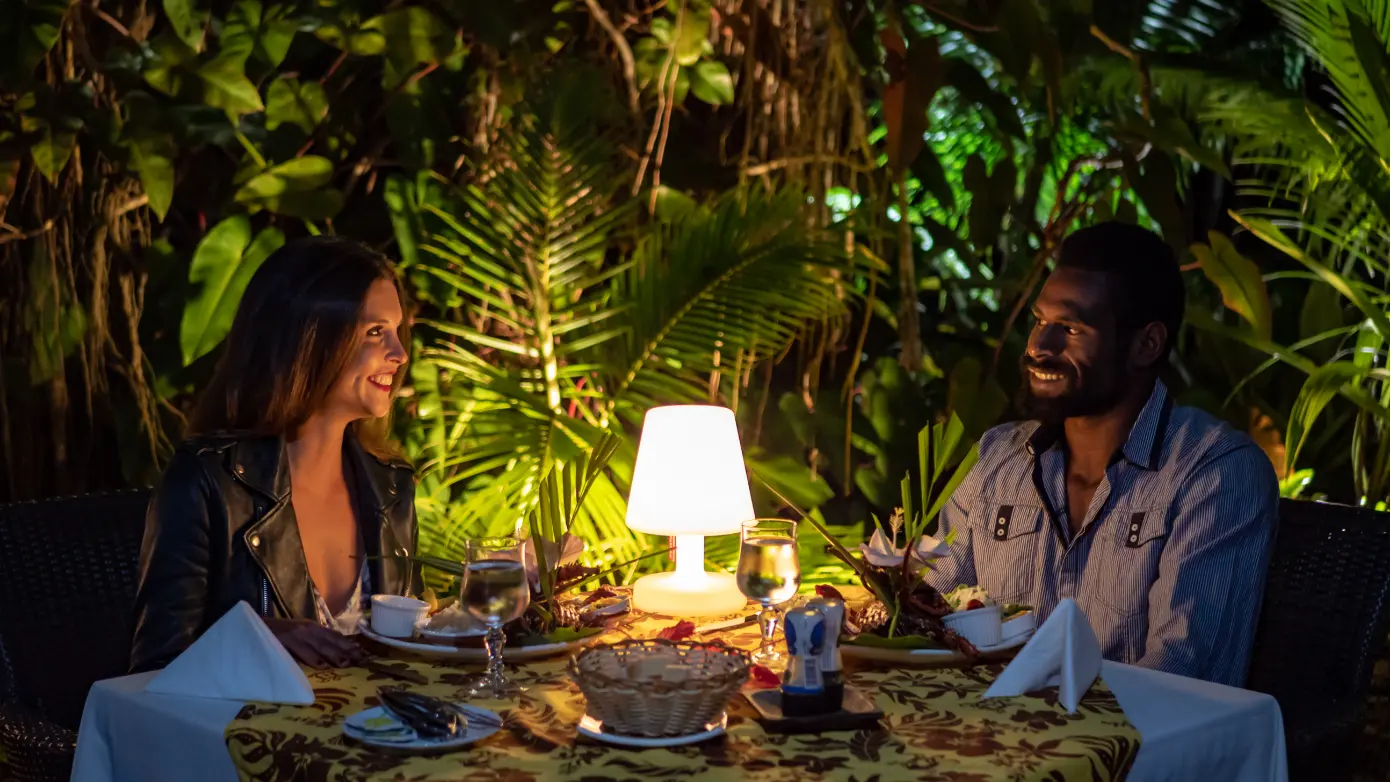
(564, 329)
(1311, 184)
(828, 216)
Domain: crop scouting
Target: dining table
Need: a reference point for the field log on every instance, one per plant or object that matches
(1133, 723)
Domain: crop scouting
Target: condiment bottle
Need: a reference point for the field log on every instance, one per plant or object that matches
(803, 689)
(832, 673)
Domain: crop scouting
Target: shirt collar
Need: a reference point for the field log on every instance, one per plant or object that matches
(1142, 448)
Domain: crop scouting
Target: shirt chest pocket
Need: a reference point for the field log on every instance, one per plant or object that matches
(1008, 550)
(1126, 559)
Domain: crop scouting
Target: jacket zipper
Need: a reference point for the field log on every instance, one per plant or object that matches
(265, 597)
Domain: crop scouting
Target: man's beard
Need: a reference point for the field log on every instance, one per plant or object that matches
(1098, 395)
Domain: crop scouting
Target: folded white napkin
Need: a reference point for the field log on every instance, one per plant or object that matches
(1063, 652)
(238, 659)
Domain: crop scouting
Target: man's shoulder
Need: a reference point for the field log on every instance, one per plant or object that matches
(1195, 438)
(1004, 462)
(1007, 441)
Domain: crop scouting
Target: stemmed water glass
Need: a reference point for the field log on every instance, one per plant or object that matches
(495, 592)
(769, 574)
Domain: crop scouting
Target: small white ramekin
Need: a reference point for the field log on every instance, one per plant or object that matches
(395, 616)
(980, 626)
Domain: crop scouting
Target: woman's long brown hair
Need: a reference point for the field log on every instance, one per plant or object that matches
(295, 331)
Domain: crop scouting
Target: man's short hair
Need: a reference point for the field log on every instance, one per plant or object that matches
(1143, 274)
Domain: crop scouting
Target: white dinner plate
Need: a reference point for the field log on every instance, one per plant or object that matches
(450, 635)
(510, 653)
(934, 656)
(594, 729)
(481, 724)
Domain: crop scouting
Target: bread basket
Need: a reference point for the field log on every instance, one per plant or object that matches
(656, 687)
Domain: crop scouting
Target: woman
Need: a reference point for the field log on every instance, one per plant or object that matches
(287, 495)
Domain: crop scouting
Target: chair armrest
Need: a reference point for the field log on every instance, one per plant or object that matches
(33, 748)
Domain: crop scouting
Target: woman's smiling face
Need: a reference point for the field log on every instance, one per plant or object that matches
(364, 388)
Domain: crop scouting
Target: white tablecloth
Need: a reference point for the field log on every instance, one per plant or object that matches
(1189, 729)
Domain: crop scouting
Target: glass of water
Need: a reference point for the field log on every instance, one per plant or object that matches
(495, 592)
(769, 574)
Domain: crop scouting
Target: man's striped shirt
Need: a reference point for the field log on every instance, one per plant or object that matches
(1170, 563)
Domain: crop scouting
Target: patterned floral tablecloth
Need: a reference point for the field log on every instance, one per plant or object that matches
(935, 728)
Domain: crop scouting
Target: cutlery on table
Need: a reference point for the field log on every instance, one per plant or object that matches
(430, 717)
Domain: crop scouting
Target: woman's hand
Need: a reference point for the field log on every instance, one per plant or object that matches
(315, 645)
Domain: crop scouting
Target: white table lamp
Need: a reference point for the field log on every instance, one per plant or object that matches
(689, 482)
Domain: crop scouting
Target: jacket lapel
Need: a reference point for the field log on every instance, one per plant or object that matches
(379, 494)
(272, 537)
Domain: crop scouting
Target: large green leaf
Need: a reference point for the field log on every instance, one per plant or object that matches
(188, 20)
(267, 34)
(226, 87)
(360, 40)
(690, 30)
(1319, 389)
(1239, 279)
(169, 65)
(790, 478)
(295, 188)
(152, 155)
(222, 265)
(711, 82)
(28, 28)
(52, 151)
(295, 102)
(411, 36)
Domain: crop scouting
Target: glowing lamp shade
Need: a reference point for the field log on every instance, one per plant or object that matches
(689, 482)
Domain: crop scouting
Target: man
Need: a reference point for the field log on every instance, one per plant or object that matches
(1156, 519)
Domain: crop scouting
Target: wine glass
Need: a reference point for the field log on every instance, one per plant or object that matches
(495, 592)
(769, 574)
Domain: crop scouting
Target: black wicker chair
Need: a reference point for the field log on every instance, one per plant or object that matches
(1323, 620)
(68, 571)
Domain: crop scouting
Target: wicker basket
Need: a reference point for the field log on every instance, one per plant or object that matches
(659, 688)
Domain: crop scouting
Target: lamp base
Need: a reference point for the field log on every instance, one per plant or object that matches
(688, 594)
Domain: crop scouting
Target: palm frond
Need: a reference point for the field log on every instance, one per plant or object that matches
(567, 334)
(1329, 31)
(1169, 25)
(744, 277)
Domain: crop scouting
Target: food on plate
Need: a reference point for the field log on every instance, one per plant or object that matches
(922, 627)
(453, 619)
(968, 598)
